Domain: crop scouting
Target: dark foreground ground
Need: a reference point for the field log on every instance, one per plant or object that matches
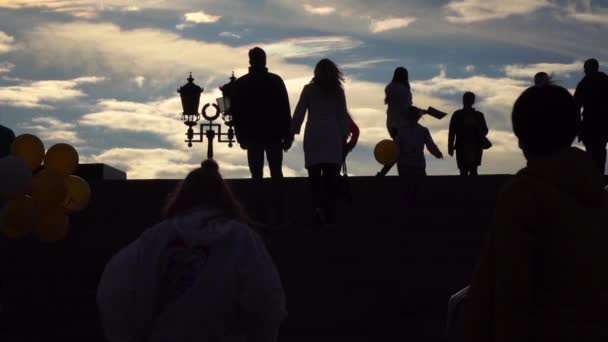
(385, 273)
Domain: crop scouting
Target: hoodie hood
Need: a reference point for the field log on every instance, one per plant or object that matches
(571, 171)
(201, 226)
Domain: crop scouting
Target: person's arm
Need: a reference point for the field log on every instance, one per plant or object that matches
(430, 144)
(116, 295)
(354, 134)
(261, 296)
(579, 94)
(483, 126)
(452, 134)
(514, 271)
(343, 116)
(300, 112)
(284, 114)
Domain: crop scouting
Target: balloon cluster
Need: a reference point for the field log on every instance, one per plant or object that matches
(386, 152)
(38, 190)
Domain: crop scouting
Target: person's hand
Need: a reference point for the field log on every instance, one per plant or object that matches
(287, 142)
(439, 155)
(451, 152)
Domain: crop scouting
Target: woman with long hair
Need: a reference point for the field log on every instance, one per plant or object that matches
(201, 274)
(325, 135)
(398, 98)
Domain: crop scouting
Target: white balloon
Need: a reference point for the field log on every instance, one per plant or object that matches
(15, 176)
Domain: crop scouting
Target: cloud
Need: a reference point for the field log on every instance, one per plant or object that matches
(226, 34)
(584, 12)
(40, 94)
(366, 63)
(139, 80)
(471, 11)
(469, 68)
(53, 130)
(529, 70)
(106, 48)
(6, 43)
(6, 67)
(304, 47)
(322, 10)
(201, 17)
(389, 24)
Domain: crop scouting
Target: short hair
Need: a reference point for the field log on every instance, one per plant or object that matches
(257, 57)
(592, 65)
(545, 120)
(541, 79)
(468, 97)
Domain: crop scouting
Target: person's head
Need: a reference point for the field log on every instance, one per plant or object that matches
(414, 115)
(545, 120)
(401, 75)
(328, 77)
(541, 79)
(468, 99)
(203, 187)
(257, 58)
(591, 66)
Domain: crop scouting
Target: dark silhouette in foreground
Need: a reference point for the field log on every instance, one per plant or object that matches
(201, 274)
(7, 136)
(398, 98)
(262, 121)
(411, 139)
(467, 136)
(542, 79)
(541, 275)
(592, 95)
(325, 135)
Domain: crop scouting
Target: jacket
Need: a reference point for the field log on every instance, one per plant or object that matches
(399, 101)
(542, 275)
(191, 278)
(411, 142)
(592, 95)
(260, 109)
(327, 127)
(467, 139)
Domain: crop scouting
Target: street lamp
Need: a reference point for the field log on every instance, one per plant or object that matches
(190, 95)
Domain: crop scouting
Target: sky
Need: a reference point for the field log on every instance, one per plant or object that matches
(102, 74)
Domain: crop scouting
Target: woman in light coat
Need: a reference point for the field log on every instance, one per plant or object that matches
(199, 275)
(325, 135)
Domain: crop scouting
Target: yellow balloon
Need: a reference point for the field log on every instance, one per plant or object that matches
(30, 149)
(79, 194)
(62, 158)
(52, 226)
(17, 217)
(386, 152)
(48, 189)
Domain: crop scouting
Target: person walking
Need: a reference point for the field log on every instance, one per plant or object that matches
(202, 274)
(262, 122)
(398, 98)
(467, 136)
(592, 96)
(325, 135)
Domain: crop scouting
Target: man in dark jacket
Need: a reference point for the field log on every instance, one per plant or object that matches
(7, 136)
(262, 116)
(592, 95)
(262, 121)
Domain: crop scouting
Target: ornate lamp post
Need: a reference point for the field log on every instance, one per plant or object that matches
(190, 95)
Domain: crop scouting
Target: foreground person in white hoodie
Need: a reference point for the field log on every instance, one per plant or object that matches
(199, 275)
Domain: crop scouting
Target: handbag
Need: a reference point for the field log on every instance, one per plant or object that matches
(486, 144)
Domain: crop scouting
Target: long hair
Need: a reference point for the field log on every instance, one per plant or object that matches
(400, 75)
(204, 187)
(328, 77)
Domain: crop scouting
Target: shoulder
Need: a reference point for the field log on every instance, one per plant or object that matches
(275, 77)
(517, 192)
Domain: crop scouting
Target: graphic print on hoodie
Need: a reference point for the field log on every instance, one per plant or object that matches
(180, 269)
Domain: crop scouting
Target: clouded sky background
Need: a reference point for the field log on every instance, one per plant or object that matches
(102, 74)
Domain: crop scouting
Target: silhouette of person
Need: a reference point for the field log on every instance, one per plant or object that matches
(411, 139)
(7, 136)
(541, 273)
(541, 79)
(200, 274)
(467, 132)
(398, 98)
(592, 96)
(325, 135)
(262, 121)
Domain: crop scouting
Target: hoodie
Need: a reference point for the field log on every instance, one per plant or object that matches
(542, 275)
(196, 277)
